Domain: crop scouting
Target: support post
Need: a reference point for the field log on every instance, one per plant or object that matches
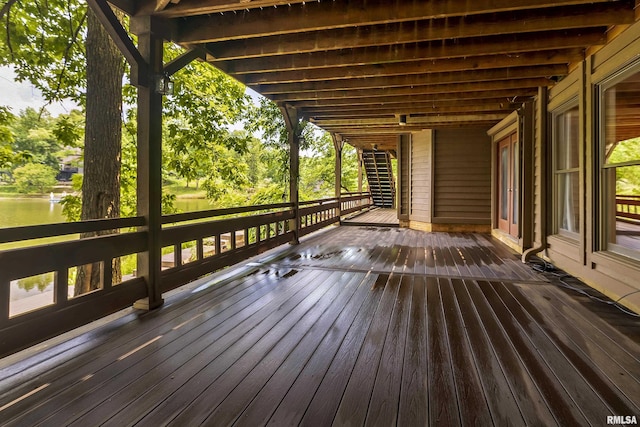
(359, 170)
(149, 184)
(338, 144)
(294, 129)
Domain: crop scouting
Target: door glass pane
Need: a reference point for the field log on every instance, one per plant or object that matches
(504, 183)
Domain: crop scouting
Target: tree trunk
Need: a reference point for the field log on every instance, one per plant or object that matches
(103, 135)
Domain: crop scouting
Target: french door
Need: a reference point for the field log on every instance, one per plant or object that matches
(508, 191)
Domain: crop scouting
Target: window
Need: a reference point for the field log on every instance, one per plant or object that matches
(620, 164)
(566, 166)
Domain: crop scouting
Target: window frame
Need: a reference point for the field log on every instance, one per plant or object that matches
(555, 114)
(601, 242)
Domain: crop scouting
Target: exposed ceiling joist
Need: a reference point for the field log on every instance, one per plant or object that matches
(509, 95)
(524, 59)
(421, 51)
(204, 7)
(417, 79)
(597, 15)
(355, 66)
(320, 16)
(406, 110)
(452, 89)
(411, 107)
(410, 120)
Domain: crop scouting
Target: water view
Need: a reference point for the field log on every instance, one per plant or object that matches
(30, 211)
(37, 291)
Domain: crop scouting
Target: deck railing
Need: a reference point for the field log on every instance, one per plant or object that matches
(628, 208)
(194, 244)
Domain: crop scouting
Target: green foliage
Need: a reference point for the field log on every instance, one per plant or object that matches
(199, 143)
(69, 129)
(43, 41)
(267, 122)
(627, 177)
(6, 119)
(71, 207)
(40, 282)
(34, 135)
(35, 177)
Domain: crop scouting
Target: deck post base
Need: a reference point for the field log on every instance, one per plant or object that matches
(143, 304)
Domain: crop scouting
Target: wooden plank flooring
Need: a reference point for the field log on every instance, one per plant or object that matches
(355, 326)
(374, 217)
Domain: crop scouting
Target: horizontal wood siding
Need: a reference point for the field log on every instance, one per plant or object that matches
(621, 50)
(403, 171)
(565, 90)
(421, 170)
(462, 176)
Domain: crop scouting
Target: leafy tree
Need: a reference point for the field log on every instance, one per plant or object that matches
(6, 137)
(33, 134)
(199, 143)
(44, 42)
(62, 49)
(35, 177)
(267, 121)
(627, 177)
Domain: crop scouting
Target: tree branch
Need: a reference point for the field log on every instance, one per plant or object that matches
(9, 36)
(74, 37)
(6, 7)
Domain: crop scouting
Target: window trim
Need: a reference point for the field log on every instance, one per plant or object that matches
(566, 106)
(601, 243)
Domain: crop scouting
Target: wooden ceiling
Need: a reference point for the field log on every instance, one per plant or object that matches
(355, 67)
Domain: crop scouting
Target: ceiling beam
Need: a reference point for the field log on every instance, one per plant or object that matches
(421, 51)
(497, 103)
(105, 14)
(396, 129)
(452, 89)
(583, 16)
(416, 79)
(327, 15)
(411, 120)
(204, 7)
(426, 110)
(509, 95)
(544, 57)
(127, 6)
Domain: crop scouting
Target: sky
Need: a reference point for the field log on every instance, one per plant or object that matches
(19, 96)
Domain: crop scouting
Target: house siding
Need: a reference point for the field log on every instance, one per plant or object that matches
(615, 275)
(462, 176)
(421, 171)
(404, 177)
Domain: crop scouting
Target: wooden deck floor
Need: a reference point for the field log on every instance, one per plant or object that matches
(375, 217)
(355, 326)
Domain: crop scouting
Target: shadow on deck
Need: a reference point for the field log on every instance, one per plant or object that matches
(356, 325)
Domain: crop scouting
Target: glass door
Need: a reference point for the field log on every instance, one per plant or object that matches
(508, 194)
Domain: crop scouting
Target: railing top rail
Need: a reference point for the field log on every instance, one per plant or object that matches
(30, 232)
(318, 201)
(335, 199)
(355, 193)
(189, 216)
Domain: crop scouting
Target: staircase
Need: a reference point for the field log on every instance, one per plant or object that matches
(377, 164)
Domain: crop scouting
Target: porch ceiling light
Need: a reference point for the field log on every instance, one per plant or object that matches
(402, 119)
(163, 85)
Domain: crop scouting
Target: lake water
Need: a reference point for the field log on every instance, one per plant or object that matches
(17, 212)
(34, 292)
